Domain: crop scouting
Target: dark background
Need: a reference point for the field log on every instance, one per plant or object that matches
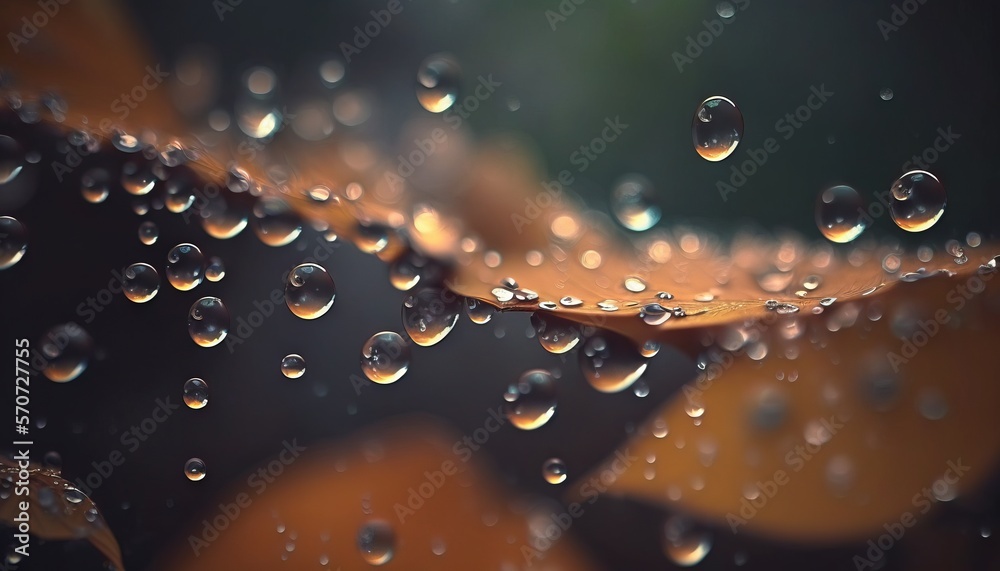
(607, 59)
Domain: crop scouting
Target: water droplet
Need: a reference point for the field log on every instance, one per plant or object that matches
(195, 393)
(607, 305)
(635, 285)
(137, 180)
(611, 363)
(73, 495)
(632, 203)
(140, 283)
(185, 266)
(332, 71)
(275, 223)
(293, 366)
(640, 389)
(649, 349)
(840, 214)
(91, 515)
(654, 314)
(372, 238)
(222, 219)
(429, 315)
(683, 543)
(932, 405)
(554, 471)
(556, 335)
(179, 195)
(385, 357)
(479, 312)
(11, 159)
(717, 128)
(208, 321)
(531, 401)
(376, 542)
(503, 295)
(65, 352)
(412, 268)
(827, 301)
(13, 241)
(725, 9)
(570, 301)
(52, 460)
(94, 185)
(216, 270)
(886, 94)
(148, 233)
(194, 469)
(780, 308)
(437, 82)
(309, 291)
(918, 201)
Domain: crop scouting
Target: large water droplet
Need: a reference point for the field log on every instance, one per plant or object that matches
(195, 469)
(430, 314)
(554, 471)
(918, 201)
(385, 357)
(195, 393)
(275, 223)
(683, 543)
(140, 283)
(611, 363)
(309, 291)
(437, 82)
(632, 203)
(531, 401)
(556, 335)
(208, 321)
(376, 542)
(840, 214)
(65, 351)
(293, 366)
(13, 241)
(185, 266)
(717, 128)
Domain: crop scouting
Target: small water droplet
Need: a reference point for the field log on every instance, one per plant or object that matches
(632, 203)
(479, 312)
(195, 469)
(376, 542)
(275, 223)
(725, 9)
(216, 270)
(140, 282)
(683, 543)
(94, 185)
(385, 357)
(137, 180)
(654, 314)
(531, 401)
(611, 364)
(918, 201)
(65, 352)
(886, 94)
(554, 471)
(438, 80)
(430, 315)
(208, 321)
(309, 291)
(635, 285)
(556, 335)
(13, 241)
(148, 233)
(840, 214)
(195, 393)
(293, 366)
(570, 301)
(717, 128)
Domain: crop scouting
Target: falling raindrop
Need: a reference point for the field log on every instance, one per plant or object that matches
(479, 312)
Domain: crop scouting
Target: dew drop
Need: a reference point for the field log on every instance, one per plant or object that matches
(717, 128)
(918, 201)
(839, 212)
(293, 366)
(140, 282)
(376, 542)
(208, 321)
(554, 471)
(531, 401)
(13, 241)
(185, 266)
(654, 314)
(633, 205)
(309, 291)
(438, 79)
(195, 393)
(73, 496)
(555, 335)
(385, 357)
(195, 469)
(611, 363)
(149, 232)
(570, 301)
(635, 285)
(430, 314)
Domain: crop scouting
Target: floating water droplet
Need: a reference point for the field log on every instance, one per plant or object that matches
(554, 471)
(385, 357)
(429, 315)
(11, 159)
(611, 363)
(195, 393)
(293, 366)
(94, 185)
(208, 321)
(149, 232)
(555, 335)
(140, 283)
(411, 268)
(332, 71)
(376, 542)
(222, 219)
(649, 349)
(640, 389)
(179, 195)
(275, 223)
(840, 214)
(372, 238)
(918, 201)
(216, 270)
(725, 9)
(684, 544)
(195, 469)
(309, 291)
(632, 203)
(437, 82)
(185, 266)
(136, 179)
(654, 314)
(886, 94)
(531, 401)
(13, 241)
(65, 351)
(479, 312)
(717, 128)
